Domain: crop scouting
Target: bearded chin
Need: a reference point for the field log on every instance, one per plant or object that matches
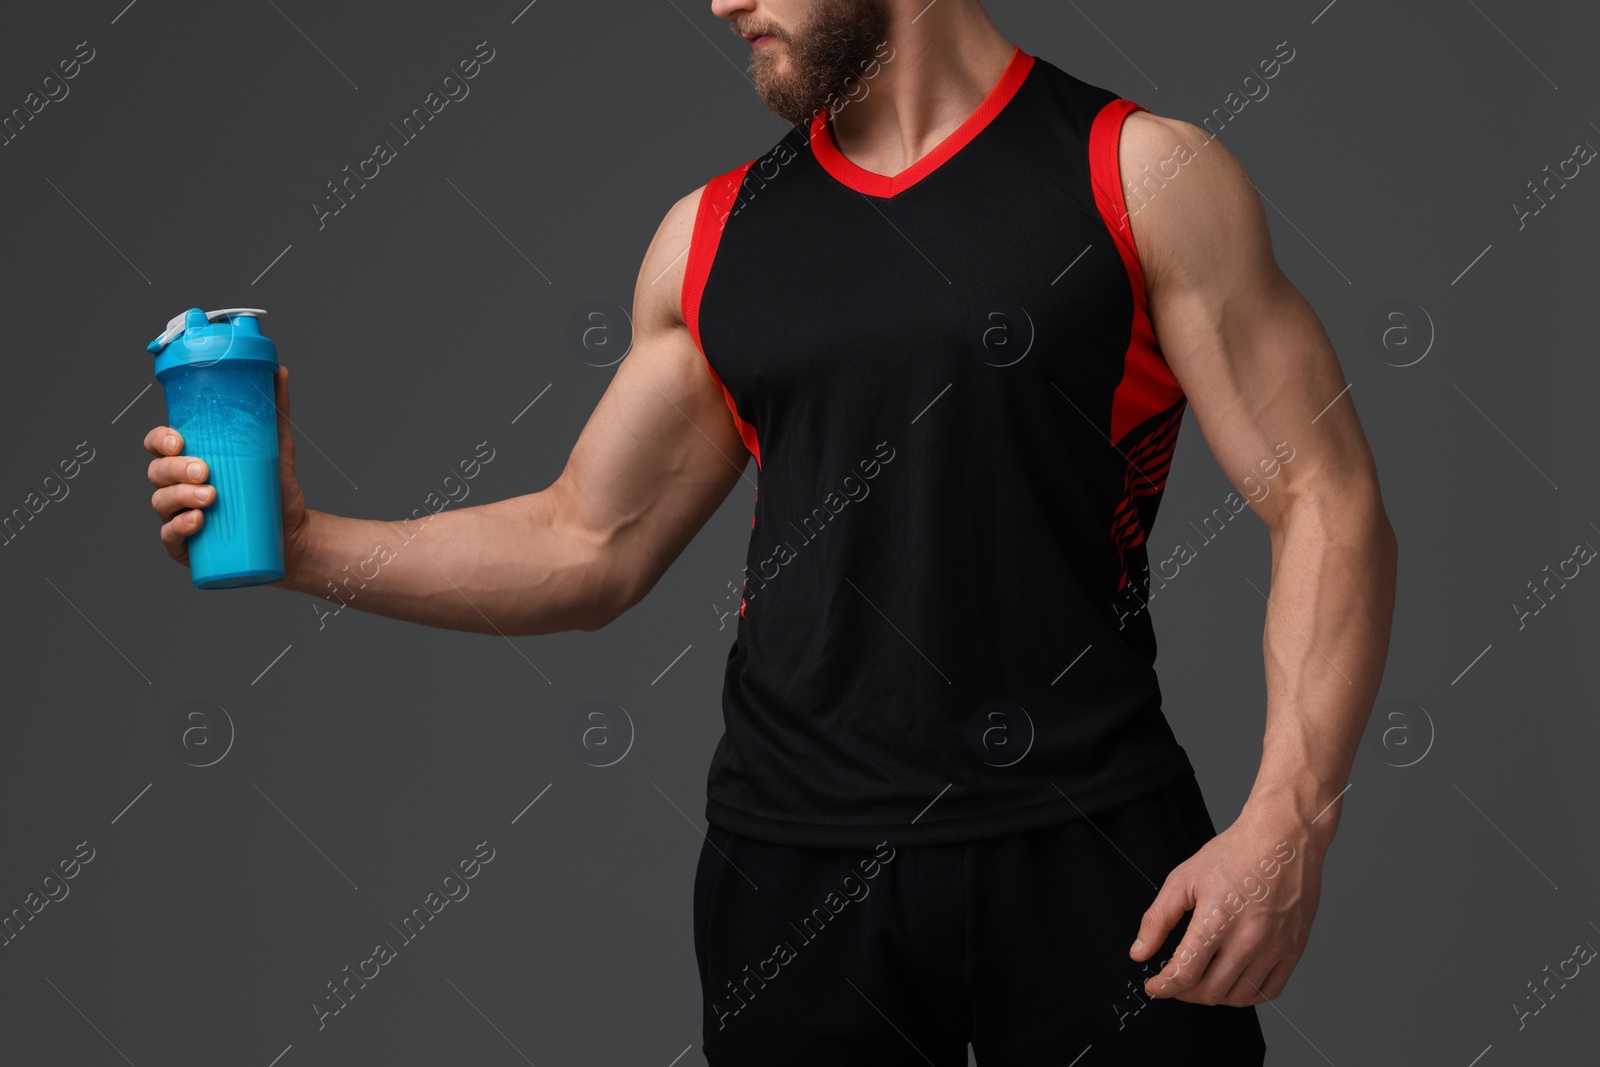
(793, 96)
(837, 41)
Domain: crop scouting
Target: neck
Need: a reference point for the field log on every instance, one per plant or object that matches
(943, 64)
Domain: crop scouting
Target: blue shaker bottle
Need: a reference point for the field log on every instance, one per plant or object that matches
(217, 371)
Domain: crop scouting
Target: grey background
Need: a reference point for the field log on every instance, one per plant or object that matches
(377, 754)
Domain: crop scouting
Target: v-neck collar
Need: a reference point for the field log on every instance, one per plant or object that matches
(887, 185)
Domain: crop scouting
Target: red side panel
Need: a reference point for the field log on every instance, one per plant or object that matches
(721, 193)
(1145, 474)
(1147, 386)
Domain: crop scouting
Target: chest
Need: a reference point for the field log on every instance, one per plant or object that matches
(996, 272)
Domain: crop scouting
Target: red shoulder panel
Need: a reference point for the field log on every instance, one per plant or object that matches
(1147, 386)
(716, 202)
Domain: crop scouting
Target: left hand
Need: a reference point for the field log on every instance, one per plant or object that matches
(1254, 889)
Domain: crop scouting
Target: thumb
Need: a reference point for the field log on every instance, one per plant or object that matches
(1176, 897)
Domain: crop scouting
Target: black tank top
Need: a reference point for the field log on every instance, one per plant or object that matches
(962, 426)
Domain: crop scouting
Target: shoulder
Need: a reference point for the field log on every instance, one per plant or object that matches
(659, 286)
(1165, 146)
(1146, 133)
(680, 217)
(701, 211)
(1191, 205)
(695, 218)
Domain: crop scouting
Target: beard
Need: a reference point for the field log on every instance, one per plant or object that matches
(838, 40)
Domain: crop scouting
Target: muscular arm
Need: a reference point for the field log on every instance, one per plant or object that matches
(656, 458)
(1264, 382)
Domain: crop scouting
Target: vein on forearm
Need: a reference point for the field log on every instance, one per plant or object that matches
(1325, 642)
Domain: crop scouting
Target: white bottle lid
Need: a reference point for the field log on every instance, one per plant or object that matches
(175, 325)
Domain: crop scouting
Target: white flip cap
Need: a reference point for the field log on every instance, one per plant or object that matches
(175, 325)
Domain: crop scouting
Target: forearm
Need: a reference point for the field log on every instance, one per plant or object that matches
(1325, 642)
(512, 567)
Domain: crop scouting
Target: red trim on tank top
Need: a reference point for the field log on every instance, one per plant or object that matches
(716, 203)
(1148, 385)
(886, 185)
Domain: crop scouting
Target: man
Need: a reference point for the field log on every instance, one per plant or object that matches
(947, 807)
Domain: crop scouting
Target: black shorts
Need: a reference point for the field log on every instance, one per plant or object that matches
(1017, 945)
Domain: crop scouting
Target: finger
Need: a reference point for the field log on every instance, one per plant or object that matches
(1273, 985)
(170, 500)
(1175, 897)
(173, 470)
(1225, 970)
(163, 441)
(175, 534)
(1250, 986)
(1207, 926)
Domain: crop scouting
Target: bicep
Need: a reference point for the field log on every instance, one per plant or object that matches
(660, 452)
(1248, 350)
